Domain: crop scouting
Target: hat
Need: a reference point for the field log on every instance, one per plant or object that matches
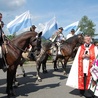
(72, 30)
(61, 28)
(33, 26)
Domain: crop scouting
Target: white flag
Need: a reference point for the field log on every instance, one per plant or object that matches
(50, 28)
(19, 23)
(68, 28)
(78, 31)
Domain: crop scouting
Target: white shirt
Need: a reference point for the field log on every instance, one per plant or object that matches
(86, 62)
(69, 35)
(60, 38)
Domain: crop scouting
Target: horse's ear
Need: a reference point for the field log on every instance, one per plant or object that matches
(39, 34)
(79, 36)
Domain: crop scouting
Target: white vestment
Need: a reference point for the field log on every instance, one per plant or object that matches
(86, 61)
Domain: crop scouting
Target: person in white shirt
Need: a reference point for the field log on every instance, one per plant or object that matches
(57, 38)
(72, 33)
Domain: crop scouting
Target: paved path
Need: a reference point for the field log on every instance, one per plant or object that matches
(53, 84)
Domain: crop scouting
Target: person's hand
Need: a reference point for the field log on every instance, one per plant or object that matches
(62, 41)
(2, 34)
(93, 83)
(85, 56)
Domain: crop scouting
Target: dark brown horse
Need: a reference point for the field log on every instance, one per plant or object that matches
(66, 49)
(15, 49)
(29, 55)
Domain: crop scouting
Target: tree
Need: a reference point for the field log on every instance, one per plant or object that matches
(10, 36)
(86, 26)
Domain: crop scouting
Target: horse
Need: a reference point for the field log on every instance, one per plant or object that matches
(32, 55)
(25, 58)
(66, 49)
(29, 55)
(15, 48)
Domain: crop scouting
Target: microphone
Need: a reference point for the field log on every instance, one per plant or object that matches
(86, 52)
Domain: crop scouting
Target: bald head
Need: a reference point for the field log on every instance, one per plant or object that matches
(87, 39)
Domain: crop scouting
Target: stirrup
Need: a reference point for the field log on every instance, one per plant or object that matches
(4, 68)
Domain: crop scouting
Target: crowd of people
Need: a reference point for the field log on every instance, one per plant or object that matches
(84, 71)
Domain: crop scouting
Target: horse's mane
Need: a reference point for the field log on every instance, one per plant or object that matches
(70, 40)
(22, 34)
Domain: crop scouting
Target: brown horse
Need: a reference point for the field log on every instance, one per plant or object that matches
(67, 49)
(15, 49)
(29, 55)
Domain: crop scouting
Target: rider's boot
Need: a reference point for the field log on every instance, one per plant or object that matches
(3, 65)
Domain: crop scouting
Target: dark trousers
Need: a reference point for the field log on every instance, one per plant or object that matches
(83, 91)
(95, 97)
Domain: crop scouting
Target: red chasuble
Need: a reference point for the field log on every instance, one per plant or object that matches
(80, 66)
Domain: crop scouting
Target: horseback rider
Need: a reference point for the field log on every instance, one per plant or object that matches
(38, 47)
(36, 50)
(72, 33)
(57, 38)
(2, 59)
(32, 28)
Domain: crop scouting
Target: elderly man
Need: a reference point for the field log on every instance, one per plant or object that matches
(79, 76)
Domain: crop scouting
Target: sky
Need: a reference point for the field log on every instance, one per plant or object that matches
(41, 11)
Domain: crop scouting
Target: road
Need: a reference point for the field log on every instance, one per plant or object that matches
(53, 83)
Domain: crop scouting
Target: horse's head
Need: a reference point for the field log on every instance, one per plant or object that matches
(36, 41)
(27, 38)
(46, 45)
(80, 38)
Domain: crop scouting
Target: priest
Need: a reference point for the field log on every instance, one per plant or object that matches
(79, 76)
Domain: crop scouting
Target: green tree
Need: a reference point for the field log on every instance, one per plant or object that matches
(86, 26)
(10, 36)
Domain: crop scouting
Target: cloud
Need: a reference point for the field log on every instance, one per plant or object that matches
(10, 5)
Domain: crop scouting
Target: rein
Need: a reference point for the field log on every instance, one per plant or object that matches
(15, 45)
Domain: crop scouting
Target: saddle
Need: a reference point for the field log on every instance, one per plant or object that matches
(4, 48)
(30, 55)
(56, 48)
(25, 55)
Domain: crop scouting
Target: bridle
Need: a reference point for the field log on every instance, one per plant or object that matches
(23, 50)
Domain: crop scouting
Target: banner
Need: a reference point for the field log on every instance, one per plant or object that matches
(50, 27)
(19, 23)
(68, 28)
